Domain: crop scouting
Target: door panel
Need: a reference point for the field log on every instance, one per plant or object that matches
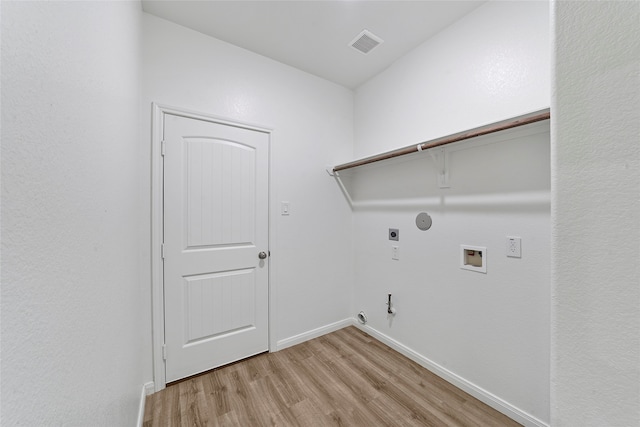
(218, 303)
(221, 193)
(216, 223)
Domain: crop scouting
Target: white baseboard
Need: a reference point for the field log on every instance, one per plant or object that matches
(147, 389)
(479, 393)
(315, 333)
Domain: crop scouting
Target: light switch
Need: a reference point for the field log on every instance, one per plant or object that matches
(284, 208)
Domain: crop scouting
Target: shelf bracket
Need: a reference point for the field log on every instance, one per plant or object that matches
(441, 160)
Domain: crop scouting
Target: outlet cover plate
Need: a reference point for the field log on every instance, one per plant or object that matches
(394, 234)
(514, 247)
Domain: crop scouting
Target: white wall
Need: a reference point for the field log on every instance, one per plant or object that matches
(312, 123)
(71, 298)
(596, 179)
(489, 66)
(490, 330)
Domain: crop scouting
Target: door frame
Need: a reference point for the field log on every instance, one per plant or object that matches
(157, 220)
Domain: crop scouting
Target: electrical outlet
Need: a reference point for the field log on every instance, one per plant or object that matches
(514, 247)
(394, 234)
(395, 252)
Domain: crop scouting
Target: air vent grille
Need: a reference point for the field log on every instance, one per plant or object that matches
(365, 42)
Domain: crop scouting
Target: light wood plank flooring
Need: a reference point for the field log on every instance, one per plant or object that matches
(345, 378)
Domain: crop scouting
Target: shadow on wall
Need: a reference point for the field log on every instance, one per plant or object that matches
(506, 172)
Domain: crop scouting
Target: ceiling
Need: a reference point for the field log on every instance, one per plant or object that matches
(315, 36)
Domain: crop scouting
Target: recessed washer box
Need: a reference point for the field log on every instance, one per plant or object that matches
(473, 258)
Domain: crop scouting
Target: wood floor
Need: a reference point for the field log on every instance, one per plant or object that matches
(345, 378)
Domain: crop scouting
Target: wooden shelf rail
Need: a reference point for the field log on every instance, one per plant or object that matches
(484, 130)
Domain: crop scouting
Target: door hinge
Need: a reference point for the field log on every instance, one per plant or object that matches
(164, 352)
(163, 147)
(162, 250)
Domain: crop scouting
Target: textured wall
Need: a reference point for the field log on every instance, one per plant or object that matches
(71, 299)
(491, 65)
(312, 122)
(491, 330)
(596, 217)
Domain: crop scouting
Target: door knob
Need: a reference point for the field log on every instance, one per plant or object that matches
(262, 255)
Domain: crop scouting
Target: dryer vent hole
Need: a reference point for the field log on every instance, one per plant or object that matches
(362, 318)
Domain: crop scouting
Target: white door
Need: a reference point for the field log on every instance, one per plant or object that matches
(215, 243)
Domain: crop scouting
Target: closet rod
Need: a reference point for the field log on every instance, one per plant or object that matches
(485, 130)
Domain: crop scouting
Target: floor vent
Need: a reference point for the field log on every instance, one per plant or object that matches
(365, 42)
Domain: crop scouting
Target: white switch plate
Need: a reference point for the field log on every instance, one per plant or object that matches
(284, 208)
(514, 247)
(395, 252)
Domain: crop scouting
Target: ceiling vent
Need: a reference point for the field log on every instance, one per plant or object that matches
(365, 42)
